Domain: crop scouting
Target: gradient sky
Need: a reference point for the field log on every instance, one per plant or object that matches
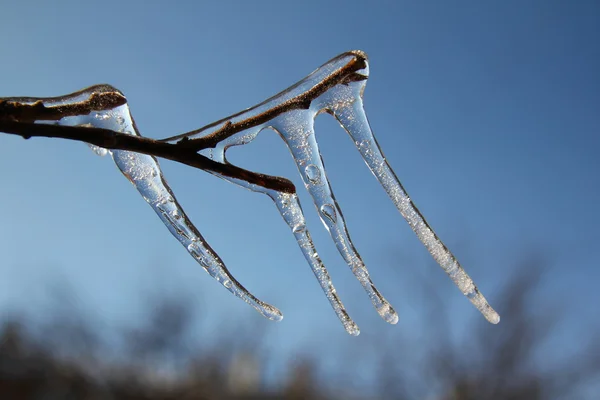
(489, 114)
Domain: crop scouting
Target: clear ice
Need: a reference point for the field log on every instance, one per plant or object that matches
(335, 88)
(144, 172)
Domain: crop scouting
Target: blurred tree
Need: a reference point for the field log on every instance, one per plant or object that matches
(505, 362)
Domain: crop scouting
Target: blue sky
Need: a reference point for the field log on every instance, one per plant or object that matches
(489, 115)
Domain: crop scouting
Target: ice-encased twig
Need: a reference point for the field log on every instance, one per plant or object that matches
(291, 113)
(144, 172)
(336, 88)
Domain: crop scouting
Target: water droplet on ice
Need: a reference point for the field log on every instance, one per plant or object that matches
(313, 174)
(193, 249)
(299, 228)
(328, 211)
(227, 284)
(120, 120)
(351, 327)
(272, 313)
(388, 313)
(175, 214)
(204, 264)
(102, 116)
(101, 151)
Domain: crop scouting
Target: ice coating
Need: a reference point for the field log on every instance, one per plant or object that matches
(291, 113)
(297, 129)
(288, 205)
(354, 121)
(144, 172)
(289, 208)
(336, 88)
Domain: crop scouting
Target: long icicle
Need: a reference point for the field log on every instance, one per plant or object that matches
(289, 208)
(297, 129)
(144, 172)
(337, 88)
(352, 117)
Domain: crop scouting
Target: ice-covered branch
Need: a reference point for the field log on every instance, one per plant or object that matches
(100, 116)
(109, 139)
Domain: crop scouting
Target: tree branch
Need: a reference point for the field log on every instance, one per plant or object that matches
(19, 116)
(119, 141)
(344, 75)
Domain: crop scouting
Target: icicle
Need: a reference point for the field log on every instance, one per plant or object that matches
(296, 128)
(345, 103)
(289, 208)
(144, 172)
(335, 88)
(354, 121)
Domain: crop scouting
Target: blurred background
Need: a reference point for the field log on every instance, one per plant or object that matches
(489, 114)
